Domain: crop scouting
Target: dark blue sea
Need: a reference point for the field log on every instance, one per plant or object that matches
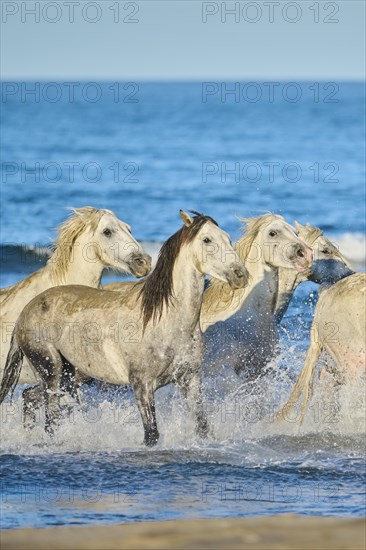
(145, 150)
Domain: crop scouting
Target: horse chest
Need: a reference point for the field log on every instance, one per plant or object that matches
(164, 361)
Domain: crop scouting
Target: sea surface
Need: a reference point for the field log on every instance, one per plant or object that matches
(145, 150)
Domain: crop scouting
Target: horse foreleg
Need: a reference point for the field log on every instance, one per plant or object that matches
(32, 401)
(145, 399)
(190, 386)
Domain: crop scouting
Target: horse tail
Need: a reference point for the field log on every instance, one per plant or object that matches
(13, 366)
(306, 376)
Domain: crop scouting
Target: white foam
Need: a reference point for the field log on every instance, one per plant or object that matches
(241, 418)
(353, 247)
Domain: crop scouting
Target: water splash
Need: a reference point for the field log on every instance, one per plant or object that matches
(240, 414)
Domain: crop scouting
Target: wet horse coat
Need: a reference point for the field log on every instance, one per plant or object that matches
(88, 241)
(239, 325)
(166, 343)
(339, 329)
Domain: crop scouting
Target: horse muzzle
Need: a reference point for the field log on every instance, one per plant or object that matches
(238, 276)
(140, 265)
(302, 257)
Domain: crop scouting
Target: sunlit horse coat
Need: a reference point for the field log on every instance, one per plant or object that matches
(240, 327)
(339, 329)
(165, 344)
(89, 241)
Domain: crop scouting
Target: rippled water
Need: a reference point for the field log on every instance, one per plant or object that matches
(169, 133)
(96, 469)
(315, 473)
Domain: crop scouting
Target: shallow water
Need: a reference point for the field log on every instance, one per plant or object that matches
(96, 469)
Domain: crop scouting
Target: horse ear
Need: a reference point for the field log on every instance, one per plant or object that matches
(76, 211)
(187, 220)
(298, 225)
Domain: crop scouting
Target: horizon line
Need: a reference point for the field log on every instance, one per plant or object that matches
(358, 80)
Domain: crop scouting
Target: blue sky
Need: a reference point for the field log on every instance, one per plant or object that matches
(171, 41)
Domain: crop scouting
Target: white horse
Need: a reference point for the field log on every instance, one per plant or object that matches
(339, 329)
(147, 337)
(89, 241)
(329, 266)
(239, 325)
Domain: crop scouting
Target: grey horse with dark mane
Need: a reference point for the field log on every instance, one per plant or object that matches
(147, 337)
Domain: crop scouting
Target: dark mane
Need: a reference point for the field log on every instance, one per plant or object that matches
(157, 289)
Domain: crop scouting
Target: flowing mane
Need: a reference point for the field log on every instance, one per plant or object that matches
(157, 289)
(219, 296)
(252, 228)
(68, 232)
(62, 249)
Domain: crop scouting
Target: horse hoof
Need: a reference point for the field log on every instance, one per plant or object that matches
(29, 422)
(50, 430)
(151, 439)
(203, 429)
(29, 426)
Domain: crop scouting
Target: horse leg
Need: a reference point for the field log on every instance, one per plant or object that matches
(32, 401)
(69, 383)
(144, 395)
(48, 364)
(190, 386)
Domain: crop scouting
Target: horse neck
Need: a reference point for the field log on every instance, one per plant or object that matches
(188, 287)
(262, 290)
(80, 270)
(258, 295)
(288, 281)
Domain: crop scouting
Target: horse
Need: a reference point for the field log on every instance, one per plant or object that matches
(339, 329)
(147, 337)
(239, 325)
(329, 266)
(89, 241)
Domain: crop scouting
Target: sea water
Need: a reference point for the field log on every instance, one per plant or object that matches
(175, 147)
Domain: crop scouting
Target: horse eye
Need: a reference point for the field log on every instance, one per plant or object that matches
(107, 232)
(206, 240)
(325, 251)
(272, 233)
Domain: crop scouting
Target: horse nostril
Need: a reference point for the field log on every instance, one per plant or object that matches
(300, 253)
(239, 273)
(140, 261)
